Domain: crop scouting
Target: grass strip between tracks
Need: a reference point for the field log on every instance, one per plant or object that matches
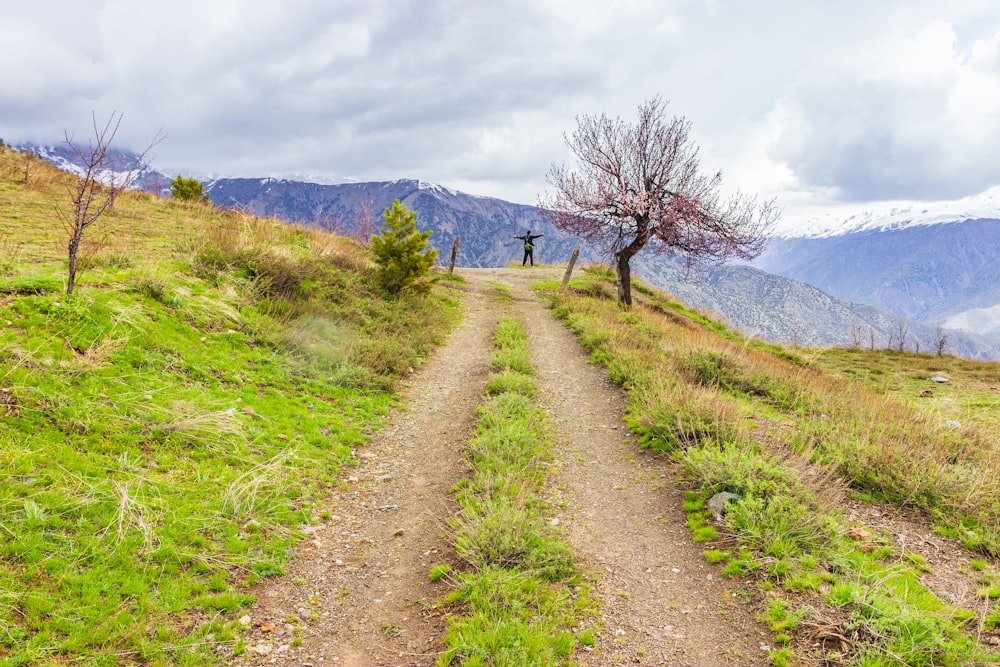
(520, 593)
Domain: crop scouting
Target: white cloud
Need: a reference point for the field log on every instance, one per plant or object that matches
(908, 118)
(817, 102)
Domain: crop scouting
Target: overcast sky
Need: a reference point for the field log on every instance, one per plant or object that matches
(821, 104)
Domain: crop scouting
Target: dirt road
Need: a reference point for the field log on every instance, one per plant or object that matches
(358, 594)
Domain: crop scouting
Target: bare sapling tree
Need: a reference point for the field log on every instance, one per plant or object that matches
(98, 185)
(940, 341)
(639, 185)
(366, 226)
(856, 336)
(902, 332)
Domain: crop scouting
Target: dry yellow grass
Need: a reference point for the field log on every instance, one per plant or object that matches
(689, 383)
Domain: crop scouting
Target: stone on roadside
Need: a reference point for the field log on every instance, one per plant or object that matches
(261, 649)
(717, 503)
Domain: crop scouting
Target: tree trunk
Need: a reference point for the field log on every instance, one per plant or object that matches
(74, 251)
(623, 274)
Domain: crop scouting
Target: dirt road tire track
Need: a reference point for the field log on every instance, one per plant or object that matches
(366, 596)
(661, 602)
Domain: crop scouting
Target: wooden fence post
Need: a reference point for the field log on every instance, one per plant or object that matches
(569, 269)
(454, 251)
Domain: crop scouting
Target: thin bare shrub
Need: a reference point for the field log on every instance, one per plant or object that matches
(10, 254)
(97, 186)
(26, 169)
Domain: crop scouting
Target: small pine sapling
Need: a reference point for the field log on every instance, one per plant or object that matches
(188, 189)
(400, 252)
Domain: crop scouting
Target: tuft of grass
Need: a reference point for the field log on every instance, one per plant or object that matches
(511, 354)
(780, 618)
(503, 292)
(782, 657)
(716, 556)
(513, 382)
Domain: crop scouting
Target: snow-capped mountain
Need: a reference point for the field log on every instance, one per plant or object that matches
(486, 225)
(932, 262)
(758, 303)
(889, 216)
(121, 166)
(770, 306)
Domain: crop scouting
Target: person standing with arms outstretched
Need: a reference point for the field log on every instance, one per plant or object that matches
(529, 246)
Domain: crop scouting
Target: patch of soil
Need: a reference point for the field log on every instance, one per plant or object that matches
(948, 570)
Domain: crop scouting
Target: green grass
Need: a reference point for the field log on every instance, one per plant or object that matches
(519, 592)
(166, 430)
(783, 432)
(969, 398)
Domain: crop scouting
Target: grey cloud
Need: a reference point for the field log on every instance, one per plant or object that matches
(456, 91)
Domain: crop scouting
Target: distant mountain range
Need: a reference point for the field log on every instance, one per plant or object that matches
(775, 308)
(487, 226)
(860, 281)
(946, 273)
(932, 262)
(754, 301)
(894, 216)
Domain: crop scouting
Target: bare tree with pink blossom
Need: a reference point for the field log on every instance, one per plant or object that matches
(638, 185)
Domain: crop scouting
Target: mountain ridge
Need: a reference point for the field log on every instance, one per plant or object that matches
(784, 309)
(931, 274)
(486, 225)
(779, 309)
(120, 166)
(782, 312)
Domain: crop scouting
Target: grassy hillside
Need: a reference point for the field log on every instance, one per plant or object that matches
(166, 429)
(971, 397)
(793, 434)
